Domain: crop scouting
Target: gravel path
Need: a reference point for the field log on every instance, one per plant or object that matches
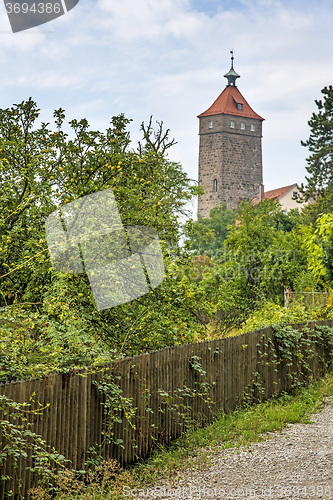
(296, 463)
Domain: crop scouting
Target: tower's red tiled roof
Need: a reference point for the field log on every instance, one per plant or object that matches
(274, 194)
(226, 104)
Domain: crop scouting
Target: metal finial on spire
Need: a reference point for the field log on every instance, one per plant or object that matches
(232, 75)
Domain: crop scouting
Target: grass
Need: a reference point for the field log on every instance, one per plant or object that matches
(241, 427)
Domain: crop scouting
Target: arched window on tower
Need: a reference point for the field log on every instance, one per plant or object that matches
(215, 186)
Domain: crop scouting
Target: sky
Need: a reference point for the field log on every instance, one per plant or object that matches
(167, 58)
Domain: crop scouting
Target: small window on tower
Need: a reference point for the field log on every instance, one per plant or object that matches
(215, 186)
(232, 124)
(253, 127)
(295, 194)
(242, 126)
(239, 106)
(210, 124)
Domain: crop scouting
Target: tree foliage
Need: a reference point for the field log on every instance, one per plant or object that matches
(261, 255)
(43, 167)
(208, 235)
(320, 145)
(230, 265)
(319, 243)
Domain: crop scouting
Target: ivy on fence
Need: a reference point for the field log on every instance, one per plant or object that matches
(18, 441)
(305, 353)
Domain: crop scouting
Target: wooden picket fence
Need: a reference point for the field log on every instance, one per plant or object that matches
(74, 418)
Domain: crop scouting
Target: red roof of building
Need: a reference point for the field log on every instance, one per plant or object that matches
(226, 104)
(274, 194)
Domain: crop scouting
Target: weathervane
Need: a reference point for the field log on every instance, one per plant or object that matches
(232, 75)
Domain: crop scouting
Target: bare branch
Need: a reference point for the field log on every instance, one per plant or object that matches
(156, 141)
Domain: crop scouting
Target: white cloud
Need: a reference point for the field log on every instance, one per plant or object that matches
(148, 20)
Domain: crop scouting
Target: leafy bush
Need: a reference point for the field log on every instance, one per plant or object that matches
(32, 345)
(274, 314)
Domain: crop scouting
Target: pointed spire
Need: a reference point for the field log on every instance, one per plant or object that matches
(232, 75)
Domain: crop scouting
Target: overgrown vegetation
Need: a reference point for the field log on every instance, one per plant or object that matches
(35, 345)
(225, 277)
(192, 451)
(229, 276)
(43, 168)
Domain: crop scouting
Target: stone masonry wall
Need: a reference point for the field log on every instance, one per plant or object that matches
(233, 157)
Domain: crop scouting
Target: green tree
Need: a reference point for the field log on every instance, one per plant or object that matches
(320, 145)
(321, 205)
(318, 239)
(262, 255)
(43, 167)
(208, 235)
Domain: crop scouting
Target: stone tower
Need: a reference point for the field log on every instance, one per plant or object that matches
(230, 157)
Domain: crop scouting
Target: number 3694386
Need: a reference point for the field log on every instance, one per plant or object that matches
(38, 7)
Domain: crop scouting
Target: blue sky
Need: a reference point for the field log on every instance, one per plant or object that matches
(167, 58)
